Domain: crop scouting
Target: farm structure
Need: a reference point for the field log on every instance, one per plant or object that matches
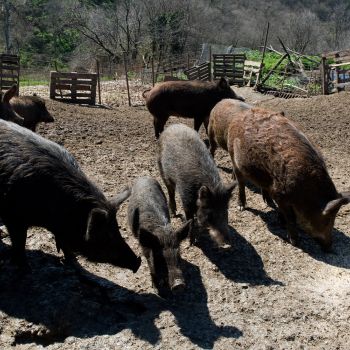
(81, 87)
(9, 71)
(335, 75)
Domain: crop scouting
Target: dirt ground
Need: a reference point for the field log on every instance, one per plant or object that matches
(261, 294)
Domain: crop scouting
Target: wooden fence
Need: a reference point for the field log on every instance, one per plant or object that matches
(336, 75)
(230, 66)
(73, 87)
(201, 72)
(9, 71)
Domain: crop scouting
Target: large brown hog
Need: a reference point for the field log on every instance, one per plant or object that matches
(188, 99)
(270, 151)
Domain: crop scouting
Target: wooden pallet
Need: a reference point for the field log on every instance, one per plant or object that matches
(252, 71)
(9, 71)
(73, 87)
(201, 72)
(230, 66)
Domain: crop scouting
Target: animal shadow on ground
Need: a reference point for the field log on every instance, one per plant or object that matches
(340, 254)
(59, 301)
(239, 263)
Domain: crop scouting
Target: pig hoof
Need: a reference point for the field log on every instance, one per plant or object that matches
(241, 207)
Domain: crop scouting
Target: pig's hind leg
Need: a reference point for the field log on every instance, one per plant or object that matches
(237, 174)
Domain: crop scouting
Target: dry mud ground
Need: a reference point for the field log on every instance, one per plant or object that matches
(261, 294)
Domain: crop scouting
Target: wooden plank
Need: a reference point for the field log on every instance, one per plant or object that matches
(341, 61)
(72, 81)
(6, 67)
(8, 82)
(10, 76)
(73, 75)
(62, 86)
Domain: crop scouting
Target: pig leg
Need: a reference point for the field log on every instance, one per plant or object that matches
(159, 123)
(237, 175)
(212, 142)
(289, 216)
(18, 235)
(171, 191)
(197, 123)
(267, 199)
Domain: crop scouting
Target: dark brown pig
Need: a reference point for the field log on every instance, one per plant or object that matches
(32, 109)
(188, 99)
(6, 111)
(271, 152)
(186, 166)
(42, 185)
(149, 220)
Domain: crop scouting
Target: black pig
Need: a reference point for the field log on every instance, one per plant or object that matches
(189, 99)
(186, 165)
(32, 109)
(42, 185)
(149, 220)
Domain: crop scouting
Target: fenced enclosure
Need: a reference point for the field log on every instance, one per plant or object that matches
(9, 71)
(73, 87)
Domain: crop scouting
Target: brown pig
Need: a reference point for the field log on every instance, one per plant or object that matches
(32, 109)
(188, 99)
(220, 118)
(219, 121)
(271, 152)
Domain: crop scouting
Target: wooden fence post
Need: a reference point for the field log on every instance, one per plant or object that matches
(210, 54)
(127, 78)
(324, 71)
(98, 80)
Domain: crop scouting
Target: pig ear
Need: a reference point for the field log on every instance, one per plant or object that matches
(333, 206)
(223, 84)
(120, 198)
(183, 231)
(10, 93)
(97, 219)
(147, 239)
(204, 195)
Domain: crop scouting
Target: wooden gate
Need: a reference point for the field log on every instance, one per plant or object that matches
(9, 71)
(230, 66)
(73, 87)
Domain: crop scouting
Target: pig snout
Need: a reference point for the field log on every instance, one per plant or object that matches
(325, 243)
(220, 236)
(178, 286)
(47, 118)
